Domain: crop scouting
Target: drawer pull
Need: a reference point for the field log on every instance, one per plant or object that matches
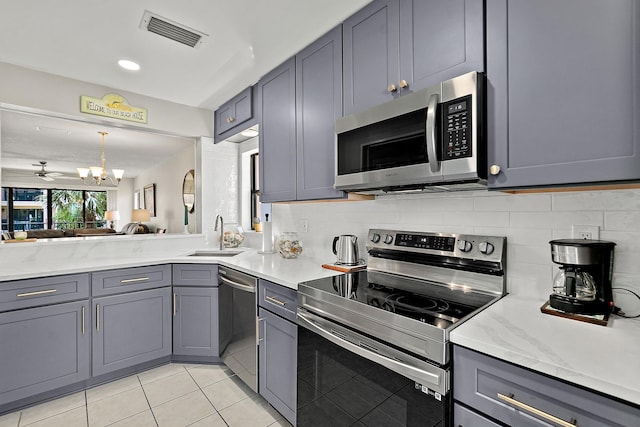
(139, 279)
(559, 421)
(275, 301)
(30, 294)
(98, 317)
(83, 320)
(174, 305)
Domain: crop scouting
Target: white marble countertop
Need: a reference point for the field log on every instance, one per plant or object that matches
(602, 358)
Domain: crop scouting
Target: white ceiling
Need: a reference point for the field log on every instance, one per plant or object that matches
(83, 39)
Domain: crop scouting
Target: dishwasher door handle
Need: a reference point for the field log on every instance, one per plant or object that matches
(239, 286)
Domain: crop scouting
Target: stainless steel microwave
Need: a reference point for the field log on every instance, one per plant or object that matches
(429, 140)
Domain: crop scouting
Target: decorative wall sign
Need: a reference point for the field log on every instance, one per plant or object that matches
(114, 106)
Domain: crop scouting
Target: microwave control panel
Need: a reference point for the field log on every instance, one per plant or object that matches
(456, 129)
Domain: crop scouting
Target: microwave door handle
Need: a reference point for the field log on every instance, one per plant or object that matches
(434, 163)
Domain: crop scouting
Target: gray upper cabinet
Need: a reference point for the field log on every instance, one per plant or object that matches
(298, 103)
(563, 91)
(130, 329)
(43, 349)
(393, 47)
(233, 113)
(318, 104)
(277, 142)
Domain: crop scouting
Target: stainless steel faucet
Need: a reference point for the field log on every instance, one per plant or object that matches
(215, 228)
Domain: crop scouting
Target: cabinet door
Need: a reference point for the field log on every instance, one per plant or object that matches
(195, 321)
(234, 112)
(43, 349)
(563, 91)
(371, 55)
(318, 104)
(278, 342)
(439, 40)
(277, 142)
(463, 417)
(129, 329)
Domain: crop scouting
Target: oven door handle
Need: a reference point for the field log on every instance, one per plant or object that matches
(434, 163)
(394, 365)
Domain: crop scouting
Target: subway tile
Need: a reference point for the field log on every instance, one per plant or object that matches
(605, 200)
(482, 219)
(514, 203)
(625, 241)
(622, 221)
(530, 280)
(554, 219)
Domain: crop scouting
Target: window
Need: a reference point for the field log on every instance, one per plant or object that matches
(34, 209)
(255, 189)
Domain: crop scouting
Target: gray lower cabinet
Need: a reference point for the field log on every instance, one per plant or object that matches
(493, 389)
(195, 321)
(563, 91)
(277, 351)
(394, 47)
(298, 103)
(131, 328)
(43, 348)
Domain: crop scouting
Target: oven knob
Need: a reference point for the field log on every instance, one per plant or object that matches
(375, 238)
(465, 245)
(486, 248)
(388, 239)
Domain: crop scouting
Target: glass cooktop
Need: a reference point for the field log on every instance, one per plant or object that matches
(427, 302)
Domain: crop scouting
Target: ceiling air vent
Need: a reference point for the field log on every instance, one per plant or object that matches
(171, 29)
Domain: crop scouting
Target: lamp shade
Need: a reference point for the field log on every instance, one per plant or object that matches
(139, 215)
(112, 215)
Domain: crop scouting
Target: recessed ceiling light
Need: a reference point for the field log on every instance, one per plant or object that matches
(128, 65)
(249, 133)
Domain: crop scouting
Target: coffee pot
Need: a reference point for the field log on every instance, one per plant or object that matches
(345, 248)
(583, 282)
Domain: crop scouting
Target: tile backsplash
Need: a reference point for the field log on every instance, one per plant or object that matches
(528, 221)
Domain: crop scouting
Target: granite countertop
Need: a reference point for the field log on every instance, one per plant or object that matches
(602, 358)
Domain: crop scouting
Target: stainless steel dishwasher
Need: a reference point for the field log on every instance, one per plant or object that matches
(238, 324)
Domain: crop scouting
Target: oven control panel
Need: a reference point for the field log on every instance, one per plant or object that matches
(486, 248)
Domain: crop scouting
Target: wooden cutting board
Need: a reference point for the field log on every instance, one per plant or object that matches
(345, 268)
(19, 241)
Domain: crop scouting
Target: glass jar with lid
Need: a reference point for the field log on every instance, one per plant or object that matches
(289, 246)
(233, 235)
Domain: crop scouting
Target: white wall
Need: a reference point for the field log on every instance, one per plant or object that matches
(529, 221)
(168, 177)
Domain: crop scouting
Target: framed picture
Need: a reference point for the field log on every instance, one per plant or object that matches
(150, 199)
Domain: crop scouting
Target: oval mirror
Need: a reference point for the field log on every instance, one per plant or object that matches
(189, 190)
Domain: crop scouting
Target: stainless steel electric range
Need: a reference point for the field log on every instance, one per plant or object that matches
(373, 346)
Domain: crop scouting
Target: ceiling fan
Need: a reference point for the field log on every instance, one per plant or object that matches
(43, 174)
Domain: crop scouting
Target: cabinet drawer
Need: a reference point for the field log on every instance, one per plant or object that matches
(463, 417)
(130, 279)
(46, 290)
(519, 397)
(277, 299)
(194, 275)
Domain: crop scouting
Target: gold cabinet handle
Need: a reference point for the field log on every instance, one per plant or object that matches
(559, 421)
(275, 301)
(230, 119)
(403, 84)
(83, 320)
(494, 170)
(174, 305)
(139, 279)
(97, 317)
(30, 294)
(392, 88)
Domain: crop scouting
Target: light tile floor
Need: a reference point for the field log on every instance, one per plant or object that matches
(173, 395)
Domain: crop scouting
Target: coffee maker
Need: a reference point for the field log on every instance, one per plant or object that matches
(583, 284)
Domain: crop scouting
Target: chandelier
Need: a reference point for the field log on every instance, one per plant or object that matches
(99, 173)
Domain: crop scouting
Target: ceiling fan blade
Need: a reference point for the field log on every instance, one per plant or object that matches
(53, 174)
(46, 178)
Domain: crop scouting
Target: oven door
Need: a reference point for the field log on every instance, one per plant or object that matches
(344, 378)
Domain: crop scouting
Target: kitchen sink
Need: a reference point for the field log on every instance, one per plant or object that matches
(216, 253)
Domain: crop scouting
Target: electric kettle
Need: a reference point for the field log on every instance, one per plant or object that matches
(345, 248)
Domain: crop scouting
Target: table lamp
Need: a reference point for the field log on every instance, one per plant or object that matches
(139, 215)
(112, 216)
